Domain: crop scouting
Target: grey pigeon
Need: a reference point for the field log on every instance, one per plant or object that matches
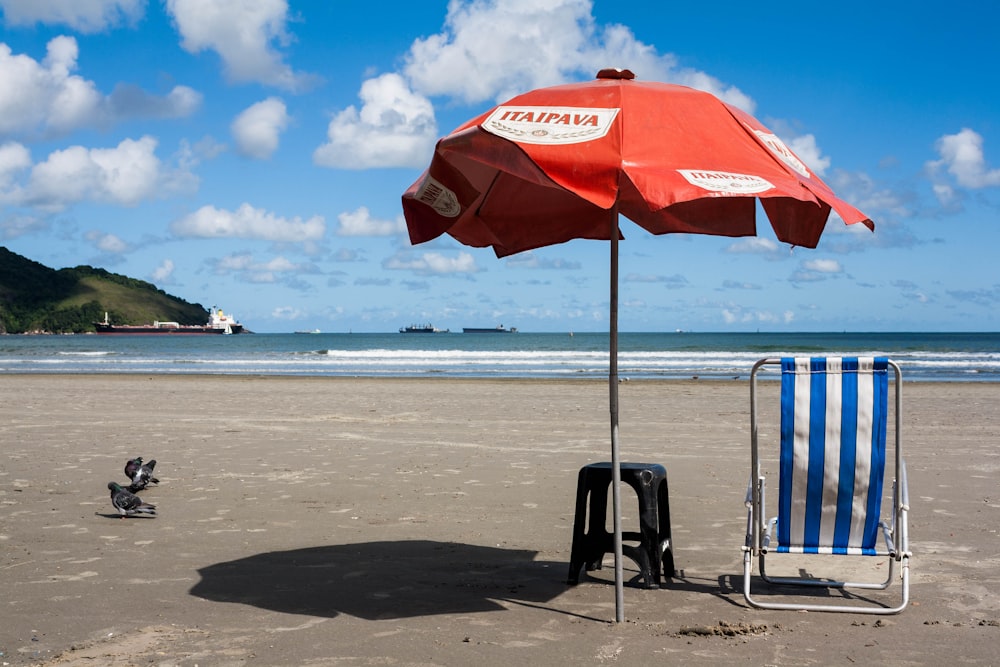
(127, 503)
(140, 474)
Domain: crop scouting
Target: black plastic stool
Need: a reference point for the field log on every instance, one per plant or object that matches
(590, 543)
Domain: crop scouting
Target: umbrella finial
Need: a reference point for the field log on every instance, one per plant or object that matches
(615, 73)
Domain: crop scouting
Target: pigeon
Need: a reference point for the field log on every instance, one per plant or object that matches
(140, 474)
(127, 503)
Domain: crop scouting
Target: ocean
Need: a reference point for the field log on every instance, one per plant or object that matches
(951, 357)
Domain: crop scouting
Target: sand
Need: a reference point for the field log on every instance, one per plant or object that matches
(320, 521)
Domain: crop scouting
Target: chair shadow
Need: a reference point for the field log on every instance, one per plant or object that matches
(385, 580)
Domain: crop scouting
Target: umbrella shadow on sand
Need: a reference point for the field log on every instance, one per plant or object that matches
(385, 580)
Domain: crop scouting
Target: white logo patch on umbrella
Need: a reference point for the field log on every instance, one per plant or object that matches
(725, 182)
(433, 193)
(778, 147)
(549, 125)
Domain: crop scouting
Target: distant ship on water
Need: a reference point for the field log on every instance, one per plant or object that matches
(421, 328)
(497, 329)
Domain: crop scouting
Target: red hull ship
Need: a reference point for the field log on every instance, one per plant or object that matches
(218, 323)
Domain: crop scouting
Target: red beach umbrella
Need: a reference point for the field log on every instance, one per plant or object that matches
(563, 162)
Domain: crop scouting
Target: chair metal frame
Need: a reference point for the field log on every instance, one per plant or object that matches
(895, 532)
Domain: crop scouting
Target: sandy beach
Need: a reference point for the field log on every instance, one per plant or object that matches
(337, 521)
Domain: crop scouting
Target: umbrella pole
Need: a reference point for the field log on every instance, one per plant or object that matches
(613, 403)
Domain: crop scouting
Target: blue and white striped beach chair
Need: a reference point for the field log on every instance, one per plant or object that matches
(831, 470)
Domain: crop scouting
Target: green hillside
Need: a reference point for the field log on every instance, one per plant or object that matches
(36, 298)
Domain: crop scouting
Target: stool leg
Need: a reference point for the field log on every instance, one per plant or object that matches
(599, 540)
(578, 553)
(648, 529)
(666, 541)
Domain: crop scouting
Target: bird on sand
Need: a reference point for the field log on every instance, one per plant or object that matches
(140, 474)
(127, 503)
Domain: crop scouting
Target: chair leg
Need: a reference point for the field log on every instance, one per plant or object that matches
(818, 583)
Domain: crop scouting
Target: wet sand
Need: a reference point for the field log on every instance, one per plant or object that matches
(322, 521)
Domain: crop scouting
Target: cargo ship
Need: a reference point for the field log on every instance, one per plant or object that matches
(421, 328)
(497, 329)
(218, 323)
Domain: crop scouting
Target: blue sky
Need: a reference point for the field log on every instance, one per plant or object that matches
(251, 154)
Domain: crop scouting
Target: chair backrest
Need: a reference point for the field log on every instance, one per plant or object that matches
(833, 454)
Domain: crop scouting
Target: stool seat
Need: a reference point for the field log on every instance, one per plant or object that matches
(591, 540)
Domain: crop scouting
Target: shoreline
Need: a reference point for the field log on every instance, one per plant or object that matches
(427, 521)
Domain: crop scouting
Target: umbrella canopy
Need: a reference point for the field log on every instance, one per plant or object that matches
(549, 165)
(561, 163)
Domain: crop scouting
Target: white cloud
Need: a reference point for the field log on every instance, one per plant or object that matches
(47, 98)
(85, 16)
(190, 155)
(919, 297)
(281, 264)
(44, 95)
(251, 270)
(482, 53)
(248, 222)
(361, 223)
(14, 159)
(984, 296)
(911, 291)
(867, 194)
(675, 281)
(945, 193)
(124, 175)
(345, 255)
(433, 263)
(288, 313)
(17, 225)
(962, 156)
(823, 266)
(233, 262)
(394, 128)
(128, 101)
(163, 273)
(108, 243)
(736, 284)
(529, 260)
(815, 270)
(738, 315)
(258, 128)
(243, 33)
(755, 245)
